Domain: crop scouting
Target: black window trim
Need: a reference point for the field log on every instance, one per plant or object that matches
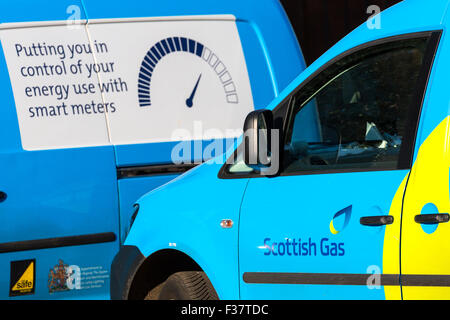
(424, 77)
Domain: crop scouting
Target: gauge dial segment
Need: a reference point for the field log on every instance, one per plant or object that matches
(181, 44)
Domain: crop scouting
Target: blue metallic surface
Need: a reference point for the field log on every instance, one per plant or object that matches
(187, 212)
(52, 194)
(308, 202)
(69, 192)
(130, 190)
(43, 10)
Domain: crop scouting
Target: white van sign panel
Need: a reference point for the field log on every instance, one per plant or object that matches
(126, 82)
(45, 72)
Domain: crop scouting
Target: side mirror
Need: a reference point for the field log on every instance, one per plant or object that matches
(261, 141)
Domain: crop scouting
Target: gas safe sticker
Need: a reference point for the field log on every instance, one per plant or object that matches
(22, 277)
(125, 82)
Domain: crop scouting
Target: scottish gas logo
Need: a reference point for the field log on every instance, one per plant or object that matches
(340, 220)
(298, 247)
(191, 49)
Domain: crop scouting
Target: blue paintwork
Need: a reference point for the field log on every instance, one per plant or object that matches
(282, 207)
(308, 216)
(42, 10)
(429, 208)
(192, 223)
(70, 192)
(282, 62)
(131, 188)
(54, 194)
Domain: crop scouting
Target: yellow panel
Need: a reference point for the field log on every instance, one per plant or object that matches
(424, 253)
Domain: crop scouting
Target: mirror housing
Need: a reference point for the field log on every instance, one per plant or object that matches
(261, 141)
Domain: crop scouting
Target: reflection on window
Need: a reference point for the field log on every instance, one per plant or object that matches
(358, 116)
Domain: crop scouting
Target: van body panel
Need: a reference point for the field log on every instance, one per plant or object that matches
(344, 253)
(51, 197)
(46, 10)
(284, 52)
(304, 242)
(75, 207)
(193, 231)
(428, 188)
(132, 188)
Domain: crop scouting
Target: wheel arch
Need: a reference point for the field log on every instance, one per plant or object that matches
(156, 268)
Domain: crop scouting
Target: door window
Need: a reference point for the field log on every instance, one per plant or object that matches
(359, 113)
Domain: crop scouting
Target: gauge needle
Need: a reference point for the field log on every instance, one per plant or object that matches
(189, 101)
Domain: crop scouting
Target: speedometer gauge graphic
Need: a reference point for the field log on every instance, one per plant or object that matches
(173, 45)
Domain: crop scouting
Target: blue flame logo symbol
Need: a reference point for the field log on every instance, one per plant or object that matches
(340, 220)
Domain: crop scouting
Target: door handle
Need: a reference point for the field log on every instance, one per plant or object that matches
(432, 218)
(376, 221)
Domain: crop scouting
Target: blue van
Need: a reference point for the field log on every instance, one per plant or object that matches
(97, 96)
(348, 200)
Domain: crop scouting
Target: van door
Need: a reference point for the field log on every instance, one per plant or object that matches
(425, 251)
(328, 227)
(59, 208)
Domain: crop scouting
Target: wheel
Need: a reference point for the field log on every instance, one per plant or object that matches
(189, 285)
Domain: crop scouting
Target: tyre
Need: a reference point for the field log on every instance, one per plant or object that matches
(189, 285)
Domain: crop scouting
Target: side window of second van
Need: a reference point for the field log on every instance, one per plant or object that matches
(358, 113)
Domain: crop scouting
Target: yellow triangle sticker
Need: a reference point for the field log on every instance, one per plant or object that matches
(26, 281)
